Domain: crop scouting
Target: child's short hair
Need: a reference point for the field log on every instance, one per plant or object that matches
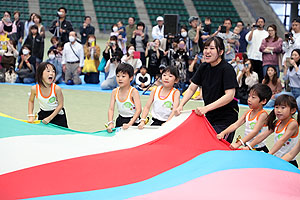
(263, 91)
(126, 69)
(51, 50)
(39, 72)
(143, 67)
(172, 70)
(53, 39)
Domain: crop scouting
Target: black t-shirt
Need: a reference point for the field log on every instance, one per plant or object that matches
(214, 82)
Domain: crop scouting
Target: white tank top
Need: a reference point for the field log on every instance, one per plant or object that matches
(289, 144)
(126, 108)
(47, 103)
(249, 126)
(162, 107)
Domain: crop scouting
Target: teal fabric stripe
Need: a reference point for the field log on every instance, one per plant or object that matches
(204, 164)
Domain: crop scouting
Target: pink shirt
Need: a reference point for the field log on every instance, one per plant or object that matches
(268, 58)
(14, 28)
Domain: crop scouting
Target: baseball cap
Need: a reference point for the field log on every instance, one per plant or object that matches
(159, 18)
(192, 18)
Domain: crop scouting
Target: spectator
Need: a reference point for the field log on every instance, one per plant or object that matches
(246, 79)
(271, 48)
(20, 29)
(242, 41)
(114, 30)
(206, 29)
(254, 39)
(36, 43)
(61, 27)
(121, 30)
(59, 51)
(9, 56)
(129, 58)
(129, 30)
(53, 60)
(28, 24)
(158, 30)
(292, 40)
(26, 67)
(195, 36)
(54, 41)
(271, 79)
(91, 62)
(110, 68)
(38, 22)
(86, 29)
(155, 55)
(142, 79)
(139, 40)
(112, 48)
(72, 60)
(6, 25)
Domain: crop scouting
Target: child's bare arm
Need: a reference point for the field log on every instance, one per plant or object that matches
(175, 104)
(111, 111)
(146, 109)
(31, 104)
(290, 131)
(292, 154)
(138, 107)
(260, 138)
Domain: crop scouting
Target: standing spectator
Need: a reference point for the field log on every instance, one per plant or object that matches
(27, 25)
(194, 36)
(6, 25)
(112, 48)
(38, 22)
(243, 42)
(158, 30)
(254, 39)
(53, 60)
(9, 56)
(36, 44)
(129, 30)
(271, 48)
(86, 29)
(26, 68)
(292, 40)
(72, 60)
(129, 58)
(155, 55)
(139, 40)
(61, 27)
(20, 29)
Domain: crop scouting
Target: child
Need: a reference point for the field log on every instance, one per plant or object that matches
(142, 79)
(235, 36)
(127, 99)
(165, 99)
(285, 127)
(254, 118)
(49, 96)
(58, 67)
(293, 153)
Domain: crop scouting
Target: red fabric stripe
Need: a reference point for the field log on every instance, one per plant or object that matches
(192, 138)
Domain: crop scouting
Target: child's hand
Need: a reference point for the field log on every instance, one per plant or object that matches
(220, 136)
(178, 110)
(46, 120)
(141, 125)
(125, 126)
(245, 148)
(110, 127)
(30, 119)
(234, 145)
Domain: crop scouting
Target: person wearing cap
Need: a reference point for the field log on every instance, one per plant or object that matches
(194, 35)
(61, 27)
(158, 30)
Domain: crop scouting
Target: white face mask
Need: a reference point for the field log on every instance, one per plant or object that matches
(115, 29)
(7, 20)
(71, 38)
(51, 56)
(25, 51)
(130, 51)
(59, 13)
(184, 34)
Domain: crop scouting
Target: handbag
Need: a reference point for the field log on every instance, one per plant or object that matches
(102, 65)
(89, 66)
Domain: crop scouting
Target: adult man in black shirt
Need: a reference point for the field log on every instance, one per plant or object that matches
(61, 27)
(86, 29)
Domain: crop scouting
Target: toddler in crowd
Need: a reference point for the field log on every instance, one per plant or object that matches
(235, 36)
(142, 79)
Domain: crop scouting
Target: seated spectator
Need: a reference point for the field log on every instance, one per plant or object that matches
(155, 54)
(9, 56)
(38, 22)
(139, 40)
(6, 25)
(246, 79)
(54, 61)
(129, 58)
(86, 29)
(112, 48)
(271, 79)
(26, 68)
(54, 41)
(142, 79)
(91, 62)
(110, 68)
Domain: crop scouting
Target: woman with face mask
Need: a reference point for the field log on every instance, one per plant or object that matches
(26, 68)
(129, 58)
(6, 25)
(112, 48)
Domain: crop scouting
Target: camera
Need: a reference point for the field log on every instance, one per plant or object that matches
(255, 26)
(111, 44)
(115, 58)
(288, 35)
(223, 29)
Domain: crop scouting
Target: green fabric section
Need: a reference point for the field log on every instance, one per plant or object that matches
(12, 127)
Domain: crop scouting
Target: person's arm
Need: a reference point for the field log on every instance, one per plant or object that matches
(259, 138)
(187, 96)
(291, 130)
(279, 86)
(31, 104)
(175, 104)
(97, 53)
(249, 35)
(293, 153)
(263, 47)
(138, 108)
(81, 56)
(106, 69)
(43, 32)
(53, 27)
(148, 80)
(278, 46)
(233, 126)
(146, 109)
(60, 99)
(110, 123)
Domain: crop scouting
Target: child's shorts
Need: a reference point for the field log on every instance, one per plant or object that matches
(264, 149)
(60, 120)
(157, 122)
(124, 120)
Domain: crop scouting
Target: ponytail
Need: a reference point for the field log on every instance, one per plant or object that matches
(271, 120)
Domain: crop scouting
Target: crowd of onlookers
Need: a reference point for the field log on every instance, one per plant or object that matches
(255, 52)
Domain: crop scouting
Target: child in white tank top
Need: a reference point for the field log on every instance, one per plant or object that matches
(127, 99)
(49, 96)
(254, 118)
(164, 99)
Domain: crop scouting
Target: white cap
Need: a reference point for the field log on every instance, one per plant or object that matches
(159, 18)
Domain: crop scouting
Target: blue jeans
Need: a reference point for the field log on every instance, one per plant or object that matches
(265, 67)
(25, 80)
(109, 84)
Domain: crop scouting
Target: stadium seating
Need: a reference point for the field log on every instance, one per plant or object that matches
(218, 10)
(111, 11)
(48, 9)
(15, 5)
